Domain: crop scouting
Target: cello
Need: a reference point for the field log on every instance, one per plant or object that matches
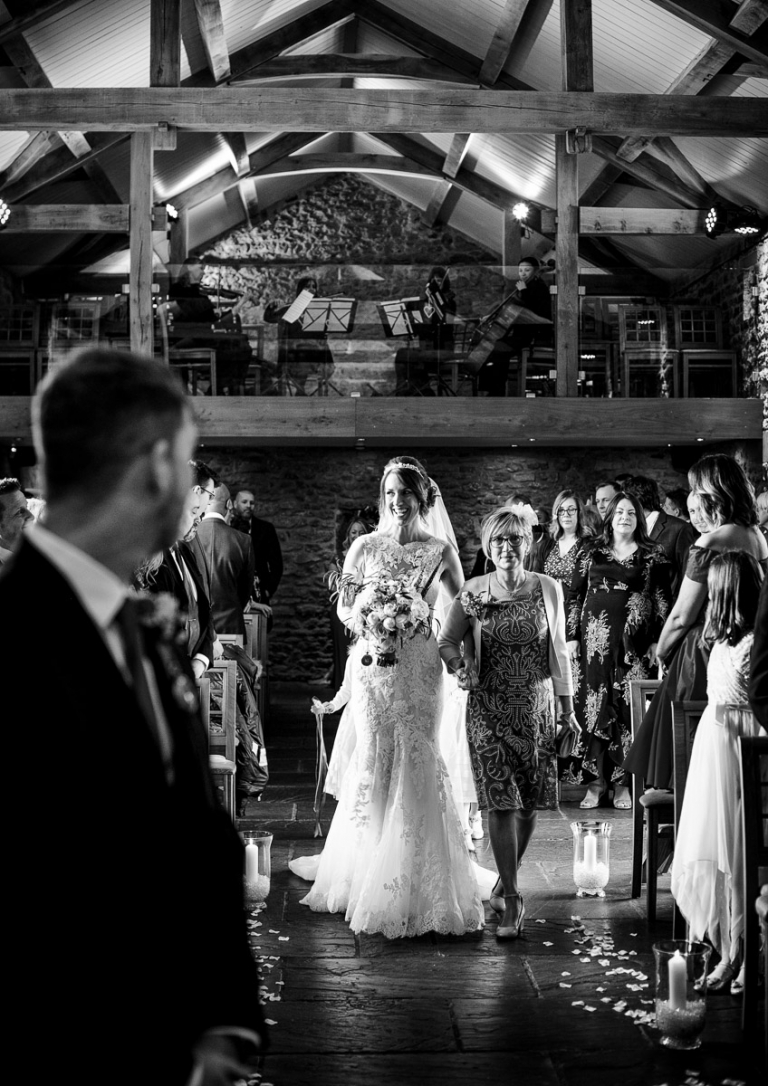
(496, 325)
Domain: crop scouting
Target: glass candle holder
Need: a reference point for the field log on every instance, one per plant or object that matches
(681, 991)
(258, 865)
(591, 862)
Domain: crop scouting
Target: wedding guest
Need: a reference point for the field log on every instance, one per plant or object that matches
(175, 999)
(14, 517)
(722, 507)
(708, 862)
(267, 556)
(605, 492)
(557, 554)
(340, 634)
(619, 598)
(225, 559)
(673, 535)
(762, 512)
(504, 639)
(675, 503)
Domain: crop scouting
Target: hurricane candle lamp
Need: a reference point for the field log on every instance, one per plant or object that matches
(591, 865)
(258, 865)
(681, 991)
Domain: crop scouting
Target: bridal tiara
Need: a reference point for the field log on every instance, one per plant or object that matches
(393, 464)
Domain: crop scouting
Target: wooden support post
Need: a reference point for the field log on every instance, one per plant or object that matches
(567, 262)
(165, 59)
(511, 250)
(178, 244)
(140, 293)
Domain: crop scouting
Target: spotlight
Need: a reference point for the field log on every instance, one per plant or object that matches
(5, 213)
(521, 211)
(715, 221)
(747, 222)
(172, 212)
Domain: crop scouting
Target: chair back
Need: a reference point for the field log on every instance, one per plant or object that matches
(642, 327)
(685, 720)
(641, 693)
(219, 708)
(698, 326)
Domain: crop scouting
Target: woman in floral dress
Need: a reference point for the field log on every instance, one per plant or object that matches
(619, 599)
(559, 551)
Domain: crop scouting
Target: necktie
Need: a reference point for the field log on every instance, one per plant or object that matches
(127, 622)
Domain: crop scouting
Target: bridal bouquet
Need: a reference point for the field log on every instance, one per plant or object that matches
(386, 610)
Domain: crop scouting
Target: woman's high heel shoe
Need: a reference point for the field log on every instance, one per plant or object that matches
(721, 976)
(496, 899)
(512, 931)
(594, 796)
(737, 984)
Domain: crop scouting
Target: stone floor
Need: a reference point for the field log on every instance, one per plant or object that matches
(562, 1006)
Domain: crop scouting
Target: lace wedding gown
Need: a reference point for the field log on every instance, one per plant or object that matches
(707, 869)
(395, 860)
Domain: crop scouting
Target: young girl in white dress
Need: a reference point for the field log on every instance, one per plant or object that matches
(707, 869)
(395, 860)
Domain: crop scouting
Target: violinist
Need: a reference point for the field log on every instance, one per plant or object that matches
(532, 293)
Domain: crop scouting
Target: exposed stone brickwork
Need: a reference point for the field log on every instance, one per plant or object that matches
(300, 491)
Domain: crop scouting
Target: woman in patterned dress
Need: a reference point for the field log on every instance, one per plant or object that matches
(619, 599)
(504, 639)
(558, 552)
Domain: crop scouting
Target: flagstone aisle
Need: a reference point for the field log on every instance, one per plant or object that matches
(566, 1005)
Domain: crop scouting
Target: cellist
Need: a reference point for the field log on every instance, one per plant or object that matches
(533, 293)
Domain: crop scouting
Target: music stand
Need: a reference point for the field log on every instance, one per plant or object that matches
(399, 318)
(324, 315)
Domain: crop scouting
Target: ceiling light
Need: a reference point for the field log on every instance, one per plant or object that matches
(172, 212)
(5, 213)
(521, 211)
(715, 221)
(746, 222)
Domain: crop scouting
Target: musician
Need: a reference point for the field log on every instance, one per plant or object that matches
(300, 354)
(532, 292)
(415, 369)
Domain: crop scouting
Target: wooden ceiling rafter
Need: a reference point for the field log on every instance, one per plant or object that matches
(502, 41)
(31, 71)
(349, 64)
(210, 22)
(708, 17)
(34, 14)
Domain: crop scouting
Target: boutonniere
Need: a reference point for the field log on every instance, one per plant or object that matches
(161, 614)
(473, 604)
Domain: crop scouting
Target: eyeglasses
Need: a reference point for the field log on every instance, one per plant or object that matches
(204, 490)
(500, 541)
(567, 511)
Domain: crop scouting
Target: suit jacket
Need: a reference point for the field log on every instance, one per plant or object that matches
(168, 579)
(758, 676)
(225, 557)
(141, 879)
(676, 537)
(267, 555)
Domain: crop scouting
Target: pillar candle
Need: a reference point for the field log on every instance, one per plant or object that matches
(251, 862)
(590, 852)
(678, 979)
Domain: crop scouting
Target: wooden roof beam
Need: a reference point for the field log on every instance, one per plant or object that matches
(36, 13)
(437, 201)
(502, 41)
(211, 24)
(708, 17)
(339, 65)
(438, 109)
(65, 218)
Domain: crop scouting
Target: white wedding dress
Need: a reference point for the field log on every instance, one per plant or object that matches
(395, 860)
(707, 868)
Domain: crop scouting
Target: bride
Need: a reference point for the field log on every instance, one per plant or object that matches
(395, 860)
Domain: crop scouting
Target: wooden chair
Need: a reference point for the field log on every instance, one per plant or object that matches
(652, 809)
(218, 705)
(192, 363)
(685, 720)
(754, 813)
(256, 620)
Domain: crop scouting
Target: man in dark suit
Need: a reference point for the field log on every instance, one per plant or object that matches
(225, 557)
(266, 545)
(674, 535)
(141, 871)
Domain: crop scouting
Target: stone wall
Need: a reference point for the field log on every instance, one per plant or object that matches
(301, 491)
